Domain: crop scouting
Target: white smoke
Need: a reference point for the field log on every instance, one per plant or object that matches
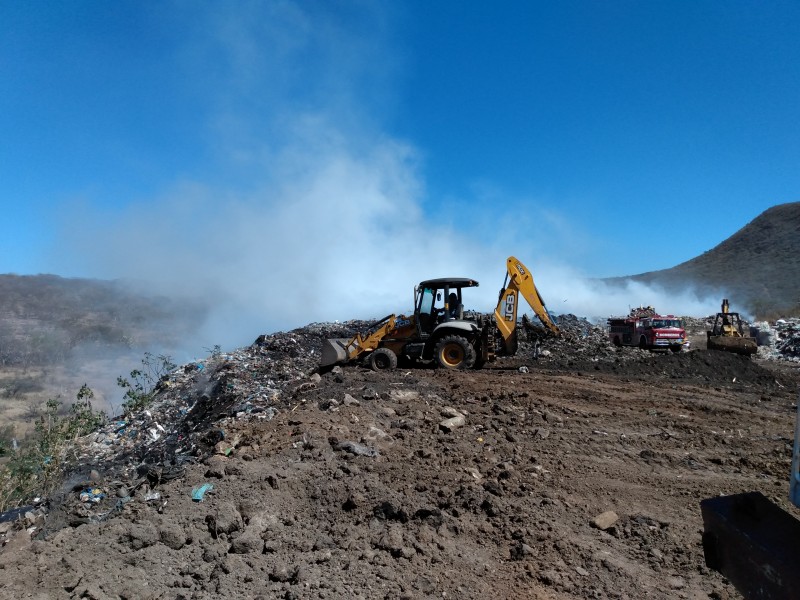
(313, 213)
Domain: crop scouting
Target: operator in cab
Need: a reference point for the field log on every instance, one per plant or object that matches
(451, 311)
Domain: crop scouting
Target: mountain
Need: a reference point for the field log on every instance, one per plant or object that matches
(45, 318)
(758, 267)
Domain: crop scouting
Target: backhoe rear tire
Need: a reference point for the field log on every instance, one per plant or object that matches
(455, 352)
(382, 359)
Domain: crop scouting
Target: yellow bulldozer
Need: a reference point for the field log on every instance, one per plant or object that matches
(728, 333)
(440, 331)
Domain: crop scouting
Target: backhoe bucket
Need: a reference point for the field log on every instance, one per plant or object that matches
(333, 351)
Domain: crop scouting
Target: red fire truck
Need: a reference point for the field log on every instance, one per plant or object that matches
(644, 328)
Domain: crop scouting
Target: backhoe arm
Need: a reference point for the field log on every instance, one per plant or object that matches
(518, 281)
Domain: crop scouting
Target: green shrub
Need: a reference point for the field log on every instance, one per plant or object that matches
(141, 385)
(6, 440)
(36, 467)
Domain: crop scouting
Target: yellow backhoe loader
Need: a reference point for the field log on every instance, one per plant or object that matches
(439, 331)
(728, 334)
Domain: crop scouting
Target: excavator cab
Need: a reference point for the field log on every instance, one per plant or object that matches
(439, 301)
(425, 309)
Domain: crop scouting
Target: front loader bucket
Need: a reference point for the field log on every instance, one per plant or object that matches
(746, 346)
(333, 352)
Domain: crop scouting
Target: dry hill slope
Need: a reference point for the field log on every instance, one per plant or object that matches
(57, 333)
(44, 319)
(758, 266)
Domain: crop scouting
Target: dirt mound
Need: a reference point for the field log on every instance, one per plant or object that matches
(572, 470)
(705, 367)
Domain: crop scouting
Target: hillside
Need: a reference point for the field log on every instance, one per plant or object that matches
(57, 334)
(758, 267)
(45, 319)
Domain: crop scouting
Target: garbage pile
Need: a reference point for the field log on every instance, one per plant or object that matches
(581, 341)
(698, 325)
(643, 312)
(583, 337)
(780, 341)
(128, 458)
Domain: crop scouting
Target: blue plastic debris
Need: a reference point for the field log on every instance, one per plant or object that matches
(93, 495)
(199, 491)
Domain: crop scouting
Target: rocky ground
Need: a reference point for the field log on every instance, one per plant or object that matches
(576, 474)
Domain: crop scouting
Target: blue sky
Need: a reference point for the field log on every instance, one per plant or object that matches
(346, 150)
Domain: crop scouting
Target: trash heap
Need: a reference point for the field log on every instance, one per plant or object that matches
(128, 458)
(780, 341)
(698, 325)
(580, 336)
(581, 341)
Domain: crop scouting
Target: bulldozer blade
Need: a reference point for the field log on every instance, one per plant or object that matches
(737, 345)
(333, 352)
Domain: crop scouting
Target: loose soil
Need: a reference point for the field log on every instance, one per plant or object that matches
(355, 488)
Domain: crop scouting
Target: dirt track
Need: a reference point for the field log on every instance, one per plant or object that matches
(370, 497)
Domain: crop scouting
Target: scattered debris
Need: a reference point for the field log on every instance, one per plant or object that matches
(92, 495)
(605, 520)
(356, 448)
(199, 492)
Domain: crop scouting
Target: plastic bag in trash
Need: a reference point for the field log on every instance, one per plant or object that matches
(93, 495)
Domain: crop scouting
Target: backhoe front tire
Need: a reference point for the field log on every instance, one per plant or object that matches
(455, 352)
(382, 359)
